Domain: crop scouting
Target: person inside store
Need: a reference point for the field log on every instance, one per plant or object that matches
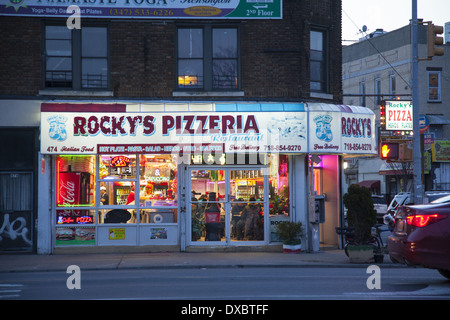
(104, 198)
(253, 228)
(117, 216)
(212, 218)
(130, 198)
(198, 220)
(202, 202)
(237, 228)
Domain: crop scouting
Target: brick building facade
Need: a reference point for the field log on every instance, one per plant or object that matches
(274, 55)
(283, 71)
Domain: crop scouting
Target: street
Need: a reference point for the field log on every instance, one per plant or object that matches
(228, 284)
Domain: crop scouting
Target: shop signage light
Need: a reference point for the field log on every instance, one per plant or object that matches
(120, 161)
(399, 115)
(328, 129)
(75, 220)
(148, 9)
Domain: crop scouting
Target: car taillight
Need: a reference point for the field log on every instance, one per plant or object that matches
(423, 220)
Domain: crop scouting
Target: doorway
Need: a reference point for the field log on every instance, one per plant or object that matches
(227, 205)
(16, 211)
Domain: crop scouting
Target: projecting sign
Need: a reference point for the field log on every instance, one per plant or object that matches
(147, 9)
(399, 115)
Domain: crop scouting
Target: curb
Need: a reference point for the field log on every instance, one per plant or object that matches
(209, 266)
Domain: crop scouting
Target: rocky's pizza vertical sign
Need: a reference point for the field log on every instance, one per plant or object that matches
(399, 115)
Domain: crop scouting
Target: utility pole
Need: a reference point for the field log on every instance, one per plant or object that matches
(417, 154)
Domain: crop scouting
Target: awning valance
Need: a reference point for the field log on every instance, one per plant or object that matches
(370, 184)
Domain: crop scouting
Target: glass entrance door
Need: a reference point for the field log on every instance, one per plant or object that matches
(227, 205)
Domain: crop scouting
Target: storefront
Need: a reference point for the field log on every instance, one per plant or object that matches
(195, 176)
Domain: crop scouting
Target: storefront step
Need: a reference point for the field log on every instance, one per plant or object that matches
(242, 248)
(116, 249)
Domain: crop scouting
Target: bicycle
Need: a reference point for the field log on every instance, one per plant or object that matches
(378, 229)
(349, 238)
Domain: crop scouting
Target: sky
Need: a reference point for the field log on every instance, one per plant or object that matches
(388, 15)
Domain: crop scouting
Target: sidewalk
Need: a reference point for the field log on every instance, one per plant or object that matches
(165, 260)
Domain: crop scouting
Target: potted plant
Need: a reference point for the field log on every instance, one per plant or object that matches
(290, 233)
(361, 215)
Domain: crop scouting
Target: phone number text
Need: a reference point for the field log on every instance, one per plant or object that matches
(141, 12)
(290, 148)
(358, 146)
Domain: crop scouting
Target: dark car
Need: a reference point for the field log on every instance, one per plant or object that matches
(422, 237)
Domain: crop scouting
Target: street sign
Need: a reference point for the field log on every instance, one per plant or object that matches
(424, 123)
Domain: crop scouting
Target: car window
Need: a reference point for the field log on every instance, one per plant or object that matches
(378, 201)
(442, 199)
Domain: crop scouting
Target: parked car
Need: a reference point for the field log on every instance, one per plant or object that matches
(406, 198)
(422, 236)
(431, 196)
(380, 205)
(403, 198)
(442, 200)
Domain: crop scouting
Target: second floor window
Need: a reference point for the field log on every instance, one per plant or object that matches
(392, 86)
(362, 92)
(318, 61)
(76, 59)
(377, 88)
(208, 58)
(434, 86)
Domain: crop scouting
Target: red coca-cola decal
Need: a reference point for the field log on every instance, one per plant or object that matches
(68, 189)
(67, 192)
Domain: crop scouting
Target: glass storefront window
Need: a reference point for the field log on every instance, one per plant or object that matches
(116, 193)
(158, 181)
(208, 219)
(227, 205)
(116, 216)
(161, 215)
(247, 220)
(247, 184)
(247, 210)
(279, 185)
(143, 194)
(117, 167)
(129, 189)
(208, 211)
(278, 192)
(75, 181)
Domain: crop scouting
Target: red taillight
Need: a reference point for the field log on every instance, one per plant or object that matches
(423, 220)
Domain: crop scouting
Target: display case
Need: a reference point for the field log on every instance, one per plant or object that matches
(121, 194)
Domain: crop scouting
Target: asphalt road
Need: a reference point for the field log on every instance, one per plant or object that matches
(245, 284)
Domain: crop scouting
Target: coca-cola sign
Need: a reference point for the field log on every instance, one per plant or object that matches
(67, 193)
(68, 189)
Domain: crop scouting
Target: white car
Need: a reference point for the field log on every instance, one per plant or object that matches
(380, 205)
(405, 198)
